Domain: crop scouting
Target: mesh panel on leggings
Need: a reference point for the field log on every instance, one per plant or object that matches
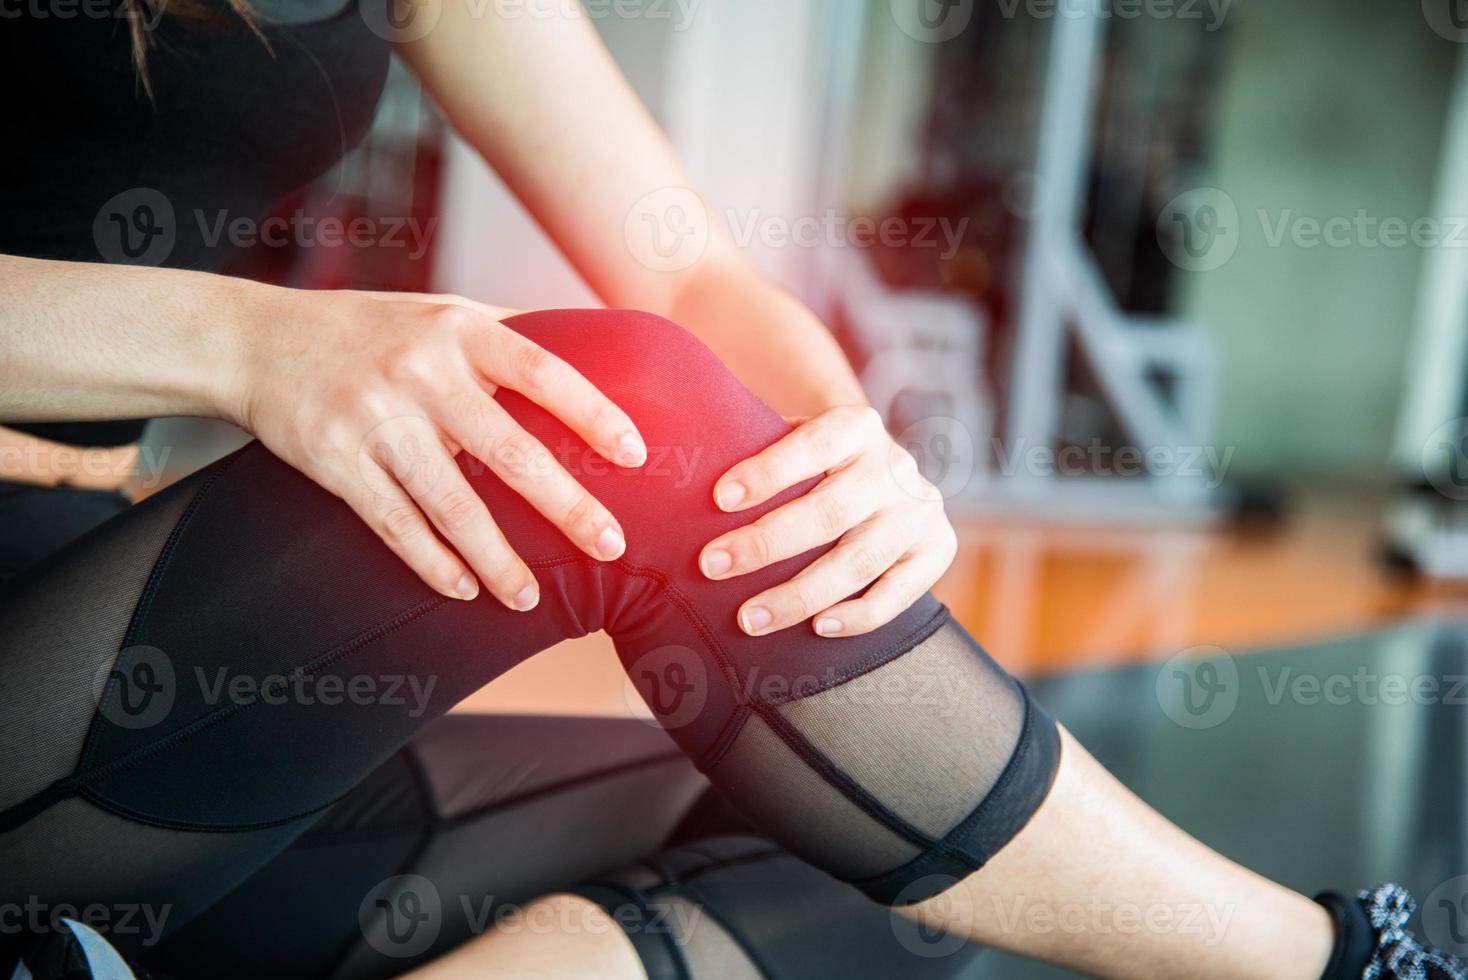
(810, 817)
(64, 624)
(927, 734)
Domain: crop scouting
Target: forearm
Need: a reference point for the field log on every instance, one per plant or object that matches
(544, 103)
(768, 338)
(81, 341)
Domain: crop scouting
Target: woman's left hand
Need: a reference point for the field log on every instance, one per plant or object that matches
(888, 521)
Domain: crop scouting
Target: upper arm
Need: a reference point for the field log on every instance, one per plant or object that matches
(539, 96)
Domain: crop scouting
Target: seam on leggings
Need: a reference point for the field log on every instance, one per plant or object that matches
(700, 900)
(103, 803)
(348, 945)
(670, 591)
(639, 898)
(418, 775)
(84, 778)
(1022, 747)
(437, 823)
(145, 603)
(674, 880)
(691, 615)
(965, 860)
(869, 663)
(726, 738)
(843, 783)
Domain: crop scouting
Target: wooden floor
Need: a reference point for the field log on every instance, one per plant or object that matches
(1046, 598)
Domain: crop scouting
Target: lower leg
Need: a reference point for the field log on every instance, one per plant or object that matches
(1100, 882)
(559, 937)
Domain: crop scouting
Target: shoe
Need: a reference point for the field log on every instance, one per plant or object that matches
(1372, 941)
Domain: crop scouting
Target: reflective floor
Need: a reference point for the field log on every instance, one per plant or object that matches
(1331, 765)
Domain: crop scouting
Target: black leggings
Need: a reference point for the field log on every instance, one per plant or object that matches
(186, 689)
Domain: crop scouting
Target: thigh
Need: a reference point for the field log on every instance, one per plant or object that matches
(478, 813)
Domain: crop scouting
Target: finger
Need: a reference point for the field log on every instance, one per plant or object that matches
(433, 481)
(843, 571)
(902, 585)
(507, 358)
(834, 507)
(528, 468)
(398, 521)
(822, 444)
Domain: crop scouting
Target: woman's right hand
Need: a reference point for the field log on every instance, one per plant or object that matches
(372, 394)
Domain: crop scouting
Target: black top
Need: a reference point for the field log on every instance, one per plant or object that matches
(93, 171)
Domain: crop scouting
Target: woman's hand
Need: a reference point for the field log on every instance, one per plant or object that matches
(372, 394)
(888, 520)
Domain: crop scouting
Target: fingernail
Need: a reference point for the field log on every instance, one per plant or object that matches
(631, 451)
(527, 598)
(730, 494)
(755, 618)
(610, 543)
(828, 627)
(467, 588)
(717, 562)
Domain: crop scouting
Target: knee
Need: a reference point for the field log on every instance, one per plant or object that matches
(625, 352)
(695, 416)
